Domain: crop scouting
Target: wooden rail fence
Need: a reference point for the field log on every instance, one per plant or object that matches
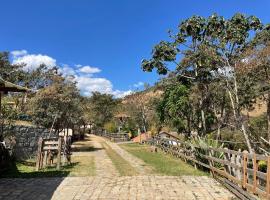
(238, 167)
(115, 137)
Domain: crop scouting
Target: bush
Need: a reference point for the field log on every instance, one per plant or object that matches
(110, 127)
(200, 147)
(262, 166)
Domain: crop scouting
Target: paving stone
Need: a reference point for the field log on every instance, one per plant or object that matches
(108, 185)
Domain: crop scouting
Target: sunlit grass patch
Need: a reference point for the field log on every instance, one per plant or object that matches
(123, 167)
(162, 163)
(80, 166)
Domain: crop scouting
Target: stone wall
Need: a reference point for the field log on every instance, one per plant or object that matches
(26, 140)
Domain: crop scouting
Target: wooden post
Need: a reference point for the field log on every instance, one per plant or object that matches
(268, 178)
(45, 159)
(233, 160)
(255, 168)
(244, 177)
(227, 158)
(59, 153)
(238, 163)
(39, 154)
(211, 163)
(65, 152)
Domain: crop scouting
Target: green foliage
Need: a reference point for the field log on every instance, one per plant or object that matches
(101, 108)
(9, 72)
(59, 102)
(201, 146)
(175, 108)
(262, 166)
(110, 127)
(208, 54)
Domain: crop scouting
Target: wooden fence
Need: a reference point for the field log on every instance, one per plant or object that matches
(49, 148)
(115, 137)
(238, 167)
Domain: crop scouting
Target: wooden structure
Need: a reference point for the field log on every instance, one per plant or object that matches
(236, 167)
(49, 148)
(122, 118)
(115, 137)
(164, 134)
(6, 87)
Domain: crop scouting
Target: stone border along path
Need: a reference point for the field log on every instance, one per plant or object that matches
(107, 184)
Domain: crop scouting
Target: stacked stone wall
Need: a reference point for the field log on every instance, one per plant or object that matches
(24, 140)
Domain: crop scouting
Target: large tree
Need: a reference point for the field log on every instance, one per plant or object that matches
(101, 108)
(56, 105)
(206, 49)
(256, 66)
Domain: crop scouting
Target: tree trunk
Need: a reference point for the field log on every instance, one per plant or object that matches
(218, 122)
(243, 129)
(203, 117)
(237, 111)
(218, 132)
(232, 101)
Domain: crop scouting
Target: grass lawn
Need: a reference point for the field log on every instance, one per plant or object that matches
(122, 166)
(81, 166)
(162, 163)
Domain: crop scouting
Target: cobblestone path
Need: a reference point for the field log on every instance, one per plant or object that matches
(107, 184)
(136, 163)
(104, 166)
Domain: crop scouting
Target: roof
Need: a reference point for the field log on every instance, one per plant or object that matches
(170, 135)
(6, 86)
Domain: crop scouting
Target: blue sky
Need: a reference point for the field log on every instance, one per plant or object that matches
(102, 42)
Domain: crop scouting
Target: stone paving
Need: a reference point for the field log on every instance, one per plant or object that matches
(104, 165)
(107, 184)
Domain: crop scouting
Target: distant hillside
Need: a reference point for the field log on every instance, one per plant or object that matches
(259, 108)
(144, 95)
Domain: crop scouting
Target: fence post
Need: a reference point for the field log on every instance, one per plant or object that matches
(268, 178)
(255, 168)
(211, 163)
(244, 181)
(39, 154)
(238, 163)
(59, 153)
(45, 159)
(227, 158)
(65, 150)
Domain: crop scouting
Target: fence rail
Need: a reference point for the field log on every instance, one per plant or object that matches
(115, 137)
(239, 167)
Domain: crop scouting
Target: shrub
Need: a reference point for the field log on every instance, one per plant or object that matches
(110, 127)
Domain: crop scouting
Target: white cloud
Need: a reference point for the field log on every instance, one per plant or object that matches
(66, 70)
(32, 61)
(83, 75)
(121, 94)
(139, 84)
(17, 53)
(89, 70)
(87, 85)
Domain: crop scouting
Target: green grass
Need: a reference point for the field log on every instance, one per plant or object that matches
(162, 163)
(80, 166)
(122, 166)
